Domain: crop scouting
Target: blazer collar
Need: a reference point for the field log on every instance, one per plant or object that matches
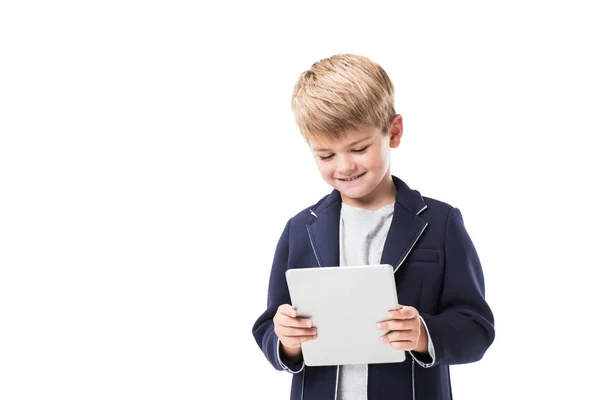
(406, 228)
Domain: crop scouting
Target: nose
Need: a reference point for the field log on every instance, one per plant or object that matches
(346, 165)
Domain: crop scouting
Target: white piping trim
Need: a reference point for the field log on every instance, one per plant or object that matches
(367, 383)
(302, 393)
(420, 211)
(313, 246)
(337, 379)
(285, 367)
(413, 377)
(411, 247)
(430, 349)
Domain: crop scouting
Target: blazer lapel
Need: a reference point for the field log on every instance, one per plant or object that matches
(406, 228)
(404, 232)
(324, 231)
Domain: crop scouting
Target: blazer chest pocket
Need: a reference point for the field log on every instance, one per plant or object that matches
(423, 256)
(420, 279)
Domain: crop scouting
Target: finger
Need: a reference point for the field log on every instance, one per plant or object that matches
(284, 320)
(406, 312)
(398, 325)
(288, 310)
(294, 341)
(291, 312)
(404, 345)
(400, 336)
(287, 331)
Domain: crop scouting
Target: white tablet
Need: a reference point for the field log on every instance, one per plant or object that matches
(345, 304)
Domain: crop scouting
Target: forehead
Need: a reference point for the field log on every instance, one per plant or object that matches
(344, 139)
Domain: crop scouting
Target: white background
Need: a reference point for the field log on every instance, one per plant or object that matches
(149, 161)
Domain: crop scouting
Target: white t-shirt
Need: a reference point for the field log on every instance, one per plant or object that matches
(362, 237)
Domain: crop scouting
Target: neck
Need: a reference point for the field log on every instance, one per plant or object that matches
(382, 195)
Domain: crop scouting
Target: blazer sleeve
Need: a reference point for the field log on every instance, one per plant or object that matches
(464, 328)
(278, 294)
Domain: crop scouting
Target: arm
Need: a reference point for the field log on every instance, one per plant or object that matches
(464, 329)
(263, 329)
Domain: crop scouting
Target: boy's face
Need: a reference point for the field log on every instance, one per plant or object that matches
(358, 165)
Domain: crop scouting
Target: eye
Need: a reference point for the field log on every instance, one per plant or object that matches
(361, 150)
(325, 158)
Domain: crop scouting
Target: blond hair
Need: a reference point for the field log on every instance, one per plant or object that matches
(341, 93)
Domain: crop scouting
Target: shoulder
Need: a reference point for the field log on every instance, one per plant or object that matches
(295, 228)
(436, 206)
(308, 214)
(413, 201)
(443, 216)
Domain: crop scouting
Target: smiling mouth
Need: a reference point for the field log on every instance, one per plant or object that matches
(352, 178)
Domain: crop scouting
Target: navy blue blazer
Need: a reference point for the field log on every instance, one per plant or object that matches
(437, 271)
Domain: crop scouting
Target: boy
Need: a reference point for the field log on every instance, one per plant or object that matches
(344, 107)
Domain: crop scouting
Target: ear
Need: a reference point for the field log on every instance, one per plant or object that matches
(396, 130)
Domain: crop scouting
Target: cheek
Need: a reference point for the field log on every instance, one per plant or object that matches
(325, 168)
(377, 160)
(383, 158)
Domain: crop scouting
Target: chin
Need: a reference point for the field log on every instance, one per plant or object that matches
(355, 194)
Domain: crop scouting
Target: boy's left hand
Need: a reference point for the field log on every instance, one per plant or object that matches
(406, 330)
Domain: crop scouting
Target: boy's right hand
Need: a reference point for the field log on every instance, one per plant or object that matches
(291, 330)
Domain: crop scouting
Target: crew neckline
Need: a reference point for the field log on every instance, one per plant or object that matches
(363, 211)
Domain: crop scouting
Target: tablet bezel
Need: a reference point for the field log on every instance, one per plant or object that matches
(345, 303)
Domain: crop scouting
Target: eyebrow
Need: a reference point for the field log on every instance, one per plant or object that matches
(350, 145)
